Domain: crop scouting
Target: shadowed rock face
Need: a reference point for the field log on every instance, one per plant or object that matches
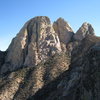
(50, 62)
(2, 58)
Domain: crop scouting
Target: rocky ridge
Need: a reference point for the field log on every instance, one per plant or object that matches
(81, 81)
(51, 62)
(64, 31)
(35, 42)
(85, 29)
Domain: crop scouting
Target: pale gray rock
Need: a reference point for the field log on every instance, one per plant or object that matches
(64, 30)
(47, 77)
(84, 30)
(35, 42)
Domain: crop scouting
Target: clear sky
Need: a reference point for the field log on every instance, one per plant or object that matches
(14, 13)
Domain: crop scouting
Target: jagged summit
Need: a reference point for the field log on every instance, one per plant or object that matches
(88, 27)
(65, 23)
(46, 18)
(84, 30)
(39, 39)
(50, 62)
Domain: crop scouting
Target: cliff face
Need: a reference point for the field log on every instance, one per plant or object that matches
(35, 42)
(81, 81)
(51, 62)
(84, 30)
(2, 58)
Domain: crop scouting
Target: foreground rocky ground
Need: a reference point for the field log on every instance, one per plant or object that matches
(50, 62)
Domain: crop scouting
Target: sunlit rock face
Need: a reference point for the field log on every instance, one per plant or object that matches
(64, 31)
(84, 30)
(49, 62)
(81, 81)
(35, 42)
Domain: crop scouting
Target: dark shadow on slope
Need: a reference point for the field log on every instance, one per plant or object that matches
(43, 93)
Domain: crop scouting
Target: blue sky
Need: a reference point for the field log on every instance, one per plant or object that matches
(14, 13)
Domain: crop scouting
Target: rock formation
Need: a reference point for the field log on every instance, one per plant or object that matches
(50, 62)
(64, 31)
(84, 30)
(35, 42)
